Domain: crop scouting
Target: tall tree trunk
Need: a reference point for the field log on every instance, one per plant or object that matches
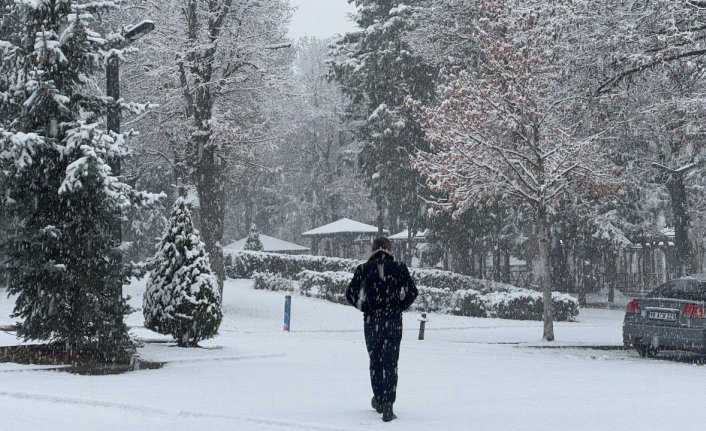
(209, 184)
(677, 193)
(507, 275)
(381, 216)
(674, 180)
(545, 269)
(611, 270)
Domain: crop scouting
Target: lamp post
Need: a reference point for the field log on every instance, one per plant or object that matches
(112, 80)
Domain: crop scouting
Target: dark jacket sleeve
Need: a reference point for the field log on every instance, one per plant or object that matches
(353, 290)
(409, 288)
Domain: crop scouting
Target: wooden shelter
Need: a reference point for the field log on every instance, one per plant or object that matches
(271, 245)
(343, 238)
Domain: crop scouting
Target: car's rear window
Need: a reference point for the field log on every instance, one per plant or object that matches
(691, 290)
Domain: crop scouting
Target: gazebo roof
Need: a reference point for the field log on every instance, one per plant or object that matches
(269, 243)
(342, 226)
(403, 236)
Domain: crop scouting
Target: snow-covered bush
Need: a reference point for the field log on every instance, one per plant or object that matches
(565, 307)
(523, 304)
(243, 264)
(273, 282)
(330, 285)
(182, 298)
(439, 291)
(507, 303)
(468, 303)
(452, 281)
(460, 303)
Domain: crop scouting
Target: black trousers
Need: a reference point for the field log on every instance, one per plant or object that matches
(382, 338)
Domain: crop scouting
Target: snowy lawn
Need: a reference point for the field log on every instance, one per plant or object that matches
(469, 374)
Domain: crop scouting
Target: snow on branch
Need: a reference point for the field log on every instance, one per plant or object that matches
(516, 126)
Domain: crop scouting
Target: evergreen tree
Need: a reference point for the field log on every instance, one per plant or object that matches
(253, 242)
(377, 70)
(182, 298)
(59, 189)
(144, 229)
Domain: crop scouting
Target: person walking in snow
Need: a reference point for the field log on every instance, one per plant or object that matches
(382, 289)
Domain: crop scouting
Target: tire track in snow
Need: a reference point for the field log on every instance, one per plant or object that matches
(226, 358)
(252, 420)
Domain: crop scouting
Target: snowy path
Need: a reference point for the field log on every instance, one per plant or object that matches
(468, 374)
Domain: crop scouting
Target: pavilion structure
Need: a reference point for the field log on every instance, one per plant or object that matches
(343, 238)
(405, 245)
(270, 245)
(404, 236)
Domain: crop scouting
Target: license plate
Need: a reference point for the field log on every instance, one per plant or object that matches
(662, 315)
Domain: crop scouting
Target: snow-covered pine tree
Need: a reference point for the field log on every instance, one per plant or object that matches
(60, 192)
(377, 70)
(145, 227)
(253, 242)
(182, 298)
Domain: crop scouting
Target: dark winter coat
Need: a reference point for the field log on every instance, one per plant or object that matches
(381, 287)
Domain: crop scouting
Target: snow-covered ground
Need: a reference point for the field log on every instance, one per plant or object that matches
(469, 374)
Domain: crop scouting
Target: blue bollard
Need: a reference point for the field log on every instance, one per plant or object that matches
(287, 311)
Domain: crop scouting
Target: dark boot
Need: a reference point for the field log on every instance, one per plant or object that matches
(376, 405)
(387, 413)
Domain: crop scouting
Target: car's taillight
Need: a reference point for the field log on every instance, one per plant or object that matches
(694, 311)
(633, 307)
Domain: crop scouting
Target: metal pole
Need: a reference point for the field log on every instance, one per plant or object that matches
(422, 324)
(287, 311)
(112, 80)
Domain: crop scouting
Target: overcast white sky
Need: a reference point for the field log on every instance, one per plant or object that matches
(320, 18)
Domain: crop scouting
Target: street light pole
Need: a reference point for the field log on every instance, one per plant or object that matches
(112, 81)
(112, 77)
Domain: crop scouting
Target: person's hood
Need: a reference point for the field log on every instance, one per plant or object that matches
(381, 254)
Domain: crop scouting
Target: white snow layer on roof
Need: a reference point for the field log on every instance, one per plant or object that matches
(269, 244)
(405, 233)
(344, 225)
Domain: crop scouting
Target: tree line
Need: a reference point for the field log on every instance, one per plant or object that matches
(556, 132)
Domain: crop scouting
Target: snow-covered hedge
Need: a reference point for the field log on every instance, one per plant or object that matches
(524, 304)
(461, 302)
(330, 285)
(274, 282)
(505, 302)
(243, 264)
(451, 280)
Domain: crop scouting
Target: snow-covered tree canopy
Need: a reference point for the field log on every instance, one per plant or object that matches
(502, 129)
(634, 37)
(377, 68)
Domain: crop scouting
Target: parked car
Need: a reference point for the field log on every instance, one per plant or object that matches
(671, 317)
